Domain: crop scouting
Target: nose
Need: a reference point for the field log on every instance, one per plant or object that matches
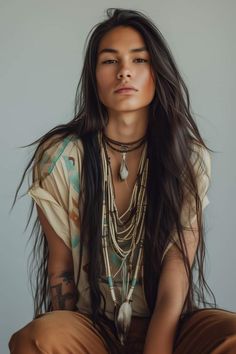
(124, 73)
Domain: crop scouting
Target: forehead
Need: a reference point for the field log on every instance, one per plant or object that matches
(121, 38)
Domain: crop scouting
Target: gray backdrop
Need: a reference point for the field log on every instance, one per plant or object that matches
(41, 52)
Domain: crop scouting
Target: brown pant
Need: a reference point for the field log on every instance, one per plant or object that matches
(65, 332)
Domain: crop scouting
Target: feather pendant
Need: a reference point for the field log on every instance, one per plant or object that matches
(123, 321)
(123, 168)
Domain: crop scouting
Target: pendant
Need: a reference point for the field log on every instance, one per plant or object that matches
(123, 168)
(123, 318)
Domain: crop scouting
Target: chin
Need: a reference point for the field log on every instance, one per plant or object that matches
(126, 106)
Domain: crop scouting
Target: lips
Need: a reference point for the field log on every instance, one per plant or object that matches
(125, 89)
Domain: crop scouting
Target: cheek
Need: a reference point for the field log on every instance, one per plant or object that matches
(148, 86)
(103, 85)
(103, 80)
(149, 81)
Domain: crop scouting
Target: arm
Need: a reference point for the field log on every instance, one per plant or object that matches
(63, 291)
(172, 291)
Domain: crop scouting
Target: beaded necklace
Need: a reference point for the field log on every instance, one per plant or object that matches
(133, 232)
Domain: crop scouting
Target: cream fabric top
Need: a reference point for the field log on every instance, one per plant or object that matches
(56, 189)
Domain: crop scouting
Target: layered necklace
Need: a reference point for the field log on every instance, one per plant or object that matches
(124, 148)
(124, 237)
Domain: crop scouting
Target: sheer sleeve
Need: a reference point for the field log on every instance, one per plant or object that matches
(201, 160)
(50, 189)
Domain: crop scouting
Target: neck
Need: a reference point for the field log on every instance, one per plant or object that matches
(126, 127)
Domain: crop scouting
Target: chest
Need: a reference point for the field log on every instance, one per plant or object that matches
(123, 190)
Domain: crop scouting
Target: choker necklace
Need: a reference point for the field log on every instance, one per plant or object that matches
(124, 148)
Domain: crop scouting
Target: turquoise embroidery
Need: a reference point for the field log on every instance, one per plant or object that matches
(59, 152)
(72, 173)
(75, 241)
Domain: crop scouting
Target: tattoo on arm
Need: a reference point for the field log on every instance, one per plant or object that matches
(67, 277)
(64, 293)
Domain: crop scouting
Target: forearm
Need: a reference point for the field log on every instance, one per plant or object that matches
(162, 329)
(172, 291)
(64, 294)
(169, 305)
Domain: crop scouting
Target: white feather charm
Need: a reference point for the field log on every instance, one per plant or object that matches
(123, 321)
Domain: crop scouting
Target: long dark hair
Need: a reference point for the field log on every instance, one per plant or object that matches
(172, 132)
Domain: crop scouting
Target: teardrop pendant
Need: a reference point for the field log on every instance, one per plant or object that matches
(123, 320)
(123, 168)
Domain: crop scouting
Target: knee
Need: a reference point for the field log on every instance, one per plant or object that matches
(30, 337)
(229, 324)
(21, 341)
(220, 321)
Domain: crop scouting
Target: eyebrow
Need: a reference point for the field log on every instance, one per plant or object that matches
(112, 50)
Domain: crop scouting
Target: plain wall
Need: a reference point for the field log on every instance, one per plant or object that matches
(41, 53)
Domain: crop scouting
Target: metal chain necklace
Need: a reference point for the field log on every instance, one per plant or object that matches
(112, 235)
(124, 148)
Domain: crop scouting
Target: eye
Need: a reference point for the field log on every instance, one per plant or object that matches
(108, 61)
(142, 60)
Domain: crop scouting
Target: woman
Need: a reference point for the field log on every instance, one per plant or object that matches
(120, 192)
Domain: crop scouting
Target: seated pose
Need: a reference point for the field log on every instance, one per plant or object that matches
(119, 193)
